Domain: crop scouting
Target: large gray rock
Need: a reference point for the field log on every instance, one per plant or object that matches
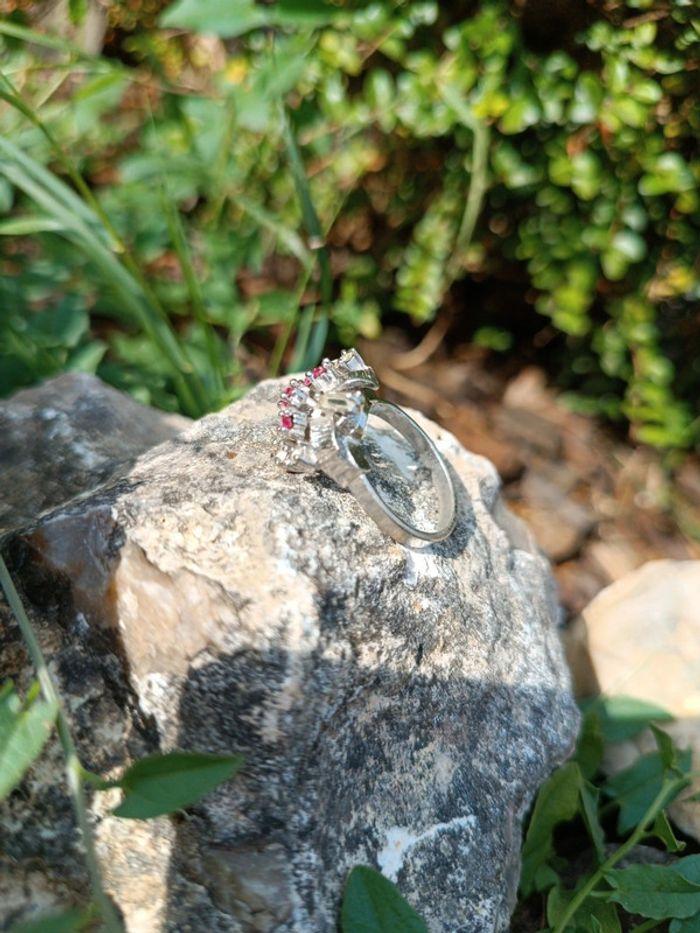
(396, 708)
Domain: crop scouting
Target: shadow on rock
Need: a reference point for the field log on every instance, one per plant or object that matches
(426, 777)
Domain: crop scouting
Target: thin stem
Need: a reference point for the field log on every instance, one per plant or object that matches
(74, 770)
(475, 198)
(479, 176)
(668, 788)
(647, 925)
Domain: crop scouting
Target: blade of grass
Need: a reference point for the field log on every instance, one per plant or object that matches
(283, 339)
(189, 385)
(22, 172)
(27, 226)
(72, 762)
(288, 238)
(317, 243)
(15, 31)
(478, 182)
(179, 241)
(181, 246)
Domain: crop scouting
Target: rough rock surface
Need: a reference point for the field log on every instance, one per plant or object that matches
(67, 436)
(640, 637)
(396, 708)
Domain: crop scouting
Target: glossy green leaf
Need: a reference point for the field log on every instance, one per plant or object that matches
(669, 174)
(372, 904)
(161, 784)
(24, 729)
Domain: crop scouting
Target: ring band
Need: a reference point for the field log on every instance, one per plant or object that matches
(331, 421)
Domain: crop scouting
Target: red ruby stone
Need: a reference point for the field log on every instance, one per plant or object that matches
(318, 371)
(289, 390)
(286, 421)
(307, 381)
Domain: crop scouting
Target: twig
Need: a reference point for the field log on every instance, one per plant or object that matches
(74, 770)
(425, 349)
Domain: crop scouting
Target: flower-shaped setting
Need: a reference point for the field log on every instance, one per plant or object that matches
(331, 399)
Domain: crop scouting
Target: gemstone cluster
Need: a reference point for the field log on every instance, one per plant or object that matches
(329, 398)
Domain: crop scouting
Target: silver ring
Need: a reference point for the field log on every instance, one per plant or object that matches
(330, 420)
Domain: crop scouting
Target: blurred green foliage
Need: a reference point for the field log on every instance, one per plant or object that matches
(533, 143)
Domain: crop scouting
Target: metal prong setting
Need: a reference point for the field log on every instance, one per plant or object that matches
(331, 396)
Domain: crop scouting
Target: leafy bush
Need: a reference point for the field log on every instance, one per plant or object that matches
(556, 150)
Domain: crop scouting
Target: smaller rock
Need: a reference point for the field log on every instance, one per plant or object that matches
(546, 501)
(640, 637)
(472, 426)
(65, 437)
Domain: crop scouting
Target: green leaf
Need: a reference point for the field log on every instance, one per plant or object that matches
(303, 13)
(590, 744)
(557, 802)
(86, 358)
(622, 717)
(372, 904)
(589, 811)
(77, 10)
(27, 226)
(161, 784)
(689, 867)
(688, 925)
(635, 788)
(24, 729)
(522, 112)
(218, 17)
(670, 754)
(7, 196)
(662, 830)
(669, 174)
(228, 19)
(654, 891)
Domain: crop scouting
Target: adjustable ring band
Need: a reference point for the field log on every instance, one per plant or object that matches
(349, 467)
(331, 422)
